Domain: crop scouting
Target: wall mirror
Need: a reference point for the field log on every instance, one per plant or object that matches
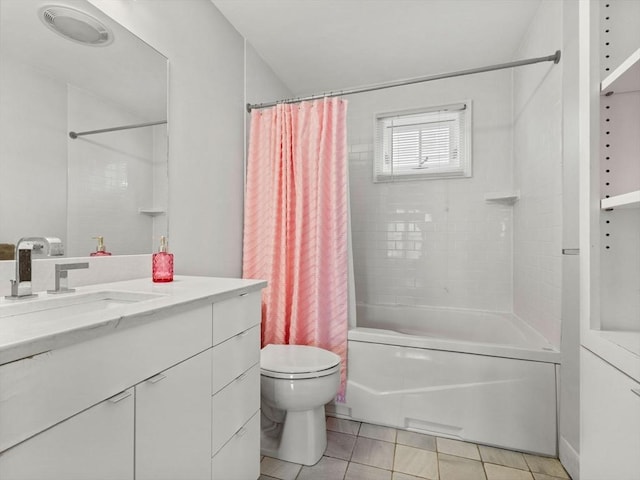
(67, 67)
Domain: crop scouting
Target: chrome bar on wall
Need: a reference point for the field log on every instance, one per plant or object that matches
(75, 135)
(555, 58)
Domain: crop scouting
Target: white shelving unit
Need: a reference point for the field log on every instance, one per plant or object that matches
(609, 237)
(612, 329)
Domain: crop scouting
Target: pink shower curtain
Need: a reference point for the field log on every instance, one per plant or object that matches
(295, 231)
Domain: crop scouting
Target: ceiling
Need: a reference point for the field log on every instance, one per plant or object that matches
(322, 45)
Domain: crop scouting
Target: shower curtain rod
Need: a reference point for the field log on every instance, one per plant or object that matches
(555, 58)
(75, 135)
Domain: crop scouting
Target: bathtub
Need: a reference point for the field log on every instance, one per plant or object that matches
(483, 377)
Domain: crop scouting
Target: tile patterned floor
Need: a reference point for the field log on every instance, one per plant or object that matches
(361, 451)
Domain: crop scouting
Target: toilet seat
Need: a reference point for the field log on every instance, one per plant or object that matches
(297, 362)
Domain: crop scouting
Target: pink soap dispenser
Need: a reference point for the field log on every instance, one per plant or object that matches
(162, 263)
(101, 251)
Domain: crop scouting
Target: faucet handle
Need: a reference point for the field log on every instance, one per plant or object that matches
(61, 267)
(61, 282)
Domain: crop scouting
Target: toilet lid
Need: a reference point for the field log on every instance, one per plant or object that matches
(295, 359)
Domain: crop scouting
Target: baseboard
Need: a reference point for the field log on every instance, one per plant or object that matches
(569, 458)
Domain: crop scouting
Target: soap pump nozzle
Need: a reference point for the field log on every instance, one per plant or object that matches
(100, 248)
(163, 244)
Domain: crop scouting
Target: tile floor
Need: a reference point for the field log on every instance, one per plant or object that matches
(361, 451)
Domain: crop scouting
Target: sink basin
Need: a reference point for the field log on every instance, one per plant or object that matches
(73, 304)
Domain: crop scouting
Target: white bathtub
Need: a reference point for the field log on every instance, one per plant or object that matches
(477, 376)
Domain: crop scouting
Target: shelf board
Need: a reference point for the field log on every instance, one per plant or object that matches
(625, 78)
(507, 198)
(626, 200)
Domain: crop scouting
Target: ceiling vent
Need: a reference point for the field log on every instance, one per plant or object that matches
(76, 26)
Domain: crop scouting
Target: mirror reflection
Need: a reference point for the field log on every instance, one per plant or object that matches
(69, 68)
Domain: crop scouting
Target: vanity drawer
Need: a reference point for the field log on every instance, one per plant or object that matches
(234, 405)
(40, 391)
(239, 459)
(234, 356)
(235, 315)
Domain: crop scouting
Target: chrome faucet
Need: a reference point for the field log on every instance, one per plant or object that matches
(21, 286)
(62, 282)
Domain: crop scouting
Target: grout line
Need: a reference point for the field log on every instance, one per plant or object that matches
(395, 443)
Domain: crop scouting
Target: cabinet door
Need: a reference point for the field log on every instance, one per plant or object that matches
(94, 444)
(610, 437)
(173, 422)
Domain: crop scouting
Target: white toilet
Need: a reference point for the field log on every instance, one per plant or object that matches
(296, 381)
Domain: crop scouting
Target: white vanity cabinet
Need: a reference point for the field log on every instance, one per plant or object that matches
(174, 397)
(95, 444)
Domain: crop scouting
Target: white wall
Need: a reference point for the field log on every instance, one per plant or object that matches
(262, 84)
(537, 115)
(206, 115)
(435, 242)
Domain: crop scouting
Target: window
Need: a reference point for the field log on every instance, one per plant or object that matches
(423, 144)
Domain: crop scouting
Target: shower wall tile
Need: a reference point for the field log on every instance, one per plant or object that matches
(435, 242)
(538, 175)
(419, 244)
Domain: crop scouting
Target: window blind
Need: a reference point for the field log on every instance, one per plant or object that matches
(430, 143)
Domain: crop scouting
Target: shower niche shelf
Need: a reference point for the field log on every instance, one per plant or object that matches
(152, 212)
(505, 198)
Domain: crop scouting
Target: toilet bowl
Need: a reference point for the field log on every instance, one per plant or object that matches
(296, 381)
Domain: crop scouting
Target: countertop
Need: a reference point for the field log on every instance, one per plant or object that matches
(21, 337)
